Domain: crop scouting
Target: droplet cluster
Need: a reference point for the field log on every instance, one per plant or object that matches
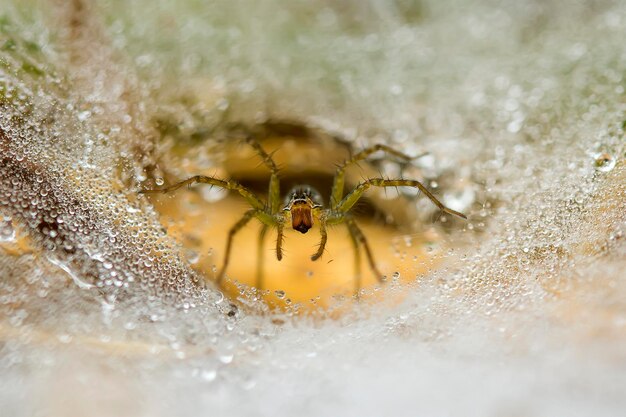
(68, 183)
(519, 104)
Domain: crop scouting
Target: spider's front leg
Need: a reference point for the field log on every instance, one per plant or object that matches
(338, 182)
(351, 199)
(279, 239)
(340, 214)
(321, 215)
(273, 193)
(266, 214)
(252, 199)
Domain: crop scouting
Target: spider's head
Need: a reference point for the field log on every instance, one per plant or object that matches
(301, 202)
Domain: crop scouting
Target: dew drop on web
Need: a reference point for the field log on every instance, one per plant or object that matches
(603, 162)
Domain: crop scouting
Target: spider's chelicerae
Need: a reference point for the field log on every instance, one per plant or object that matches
(303, 205)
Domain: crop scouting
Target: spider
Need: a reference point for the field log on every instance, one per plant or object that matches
(303, 205)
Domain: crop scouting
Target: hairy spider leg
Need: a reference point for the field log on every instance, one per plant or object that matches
(260, 257)
(267, 213)
(273, 194)
(338, 182)
(357, 261)
(356, 232)
(279, 239)
(321, 216)
(266, 220)
(354, 196)
(254, 201)
(248, 215)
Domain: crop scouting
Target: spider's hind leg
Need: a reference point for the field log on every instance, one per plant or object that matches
(358, 236)
(357, 262)
(260, 262)
(248, 215)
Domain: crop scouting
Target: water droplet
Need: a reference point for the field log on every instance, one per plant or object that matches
(192, 256)
(7, 231)
(249, 384)
(223, 104)
(209, 375)
(64, 338)
(226, 359)
(395, 89)
(159, 181)
(514, 126)
(460, 200)
(280, 294)
(213, 194)
(604, 162)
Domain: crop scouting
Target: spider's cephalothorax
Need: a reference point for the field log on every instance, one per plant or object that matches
(303, 204)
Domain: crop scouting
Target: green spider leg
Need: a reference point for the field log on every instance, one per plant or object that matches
(319, 214)
(268, 213)
(357, 234)
(351, 199)
(272, 208)
(267, 221)
(273, 193)
(357, 261)
(260, 257)
(250, 197)
(248, 215)
(339, 213)
(339, 181)
(279, 239)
